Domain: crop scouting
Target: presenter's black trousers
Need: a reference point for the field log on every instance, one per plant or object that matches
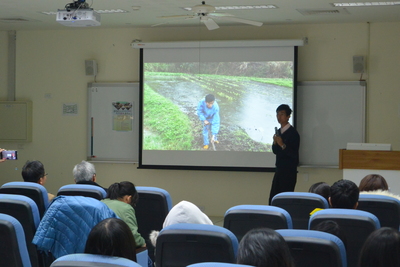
(284, 181)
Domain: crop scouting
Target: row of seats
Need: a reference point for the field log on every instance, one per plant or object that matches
(299, 205)
(237, 219)
(19, 204)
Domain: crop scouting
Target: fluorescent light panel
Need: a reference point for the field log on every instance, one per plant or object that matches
(100, 11)
(365, 4)
(238, 7)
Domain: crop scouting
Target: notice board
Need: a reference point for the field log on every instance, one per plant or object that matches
(113, 122)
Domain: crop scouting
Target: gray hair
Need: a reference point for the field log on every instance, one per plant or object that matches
(83, 171)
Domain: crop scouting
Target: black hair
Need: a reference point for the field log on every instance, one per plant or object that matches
(286, 108)
(331, 227)
(322, 189)
(112, 237)
(210, 98)
(119, 190)
(344, 194)
(381, 249)
(264, 247)
(33, 171)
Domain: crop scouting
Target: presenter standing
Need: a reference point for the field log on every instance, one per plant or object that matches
(286, 148)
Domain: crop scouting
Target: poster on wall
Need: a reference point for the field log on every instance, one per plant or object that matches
(122, 116)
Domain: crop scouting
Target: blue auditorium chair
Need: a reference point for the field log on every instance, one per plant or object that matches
(242, 218)
(152, 208)
(13, 251)
(217, 264)
(35, 191)
(356, 226)
(92, 260)
(386, 208)
(25, 210)
(185, 243)
(315, 248)
(299, 205)
(85, 190)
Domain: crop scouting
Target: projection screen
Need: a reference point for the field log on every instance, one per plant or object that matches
(248, 81)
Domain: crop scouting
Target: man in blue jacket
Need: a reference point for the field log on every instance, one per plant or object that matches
(208, 112)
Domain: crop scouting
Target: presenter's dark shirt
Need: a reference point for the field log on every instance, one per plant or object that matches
(288, 157)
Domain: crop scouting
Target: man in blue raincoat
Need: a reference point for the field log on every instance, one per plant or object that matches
(208, 112)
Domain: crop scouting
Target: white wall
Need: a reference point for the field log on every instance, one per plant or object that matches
(52, 62)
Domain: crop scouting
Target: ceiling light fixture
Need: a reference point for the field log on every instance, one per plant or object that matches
(105, 11)
(238, 7)
(365, 4)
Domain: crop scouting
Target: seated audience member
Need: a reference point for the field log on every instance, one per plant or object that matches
(322, 189)
(331, 227)
(373, 182)
(85, 173)
(33, 171)
(344, 195)
(183, 212)
(122, 198)
(264, 247)
(111, 237)
(381, 249)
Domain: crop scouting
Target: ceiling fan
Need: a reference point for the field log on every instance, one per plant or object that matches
(207, 14)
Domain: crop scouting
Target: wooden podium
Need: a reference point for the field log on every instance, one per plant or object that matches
(356, 164)
(369, 159)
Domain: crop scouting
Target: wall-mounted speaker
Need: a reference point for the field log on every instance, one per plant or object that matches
(90, 67)
(359, 64)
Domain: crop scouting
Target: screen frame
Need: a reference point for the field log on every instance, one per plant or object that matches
(142, 46)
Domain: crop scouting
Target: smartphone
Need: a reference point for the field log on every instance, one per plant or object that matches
(9, 154)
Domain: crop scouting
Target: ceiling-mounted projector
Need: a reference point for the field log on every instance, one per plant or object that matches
(78, 17)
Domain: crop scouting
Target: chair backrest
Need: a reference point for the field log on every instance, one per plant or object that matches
(151, 210)
(185, 243)
(86, 190)
(13, 251)
(241, 219)
(36, 192)
(217, 264)
(92, 260)
(67, 223)
(315, 248)
(299, 205)
(25, 210)
(386, 208)
(356, 226)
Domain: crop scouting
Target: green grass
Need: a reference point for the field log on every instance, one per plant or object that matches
(170, 128)
(209, 77)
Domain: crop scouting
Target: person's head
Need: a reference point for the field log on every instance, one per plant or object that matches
(263, 247)
(33, 171)
(322, 189)
(283, 113)
(123, 191)
(331, 227)
(373, 182)
(210, 100)
(344, 195)
(84, 171)
(112, 237)
(381, 249)
(183, 212)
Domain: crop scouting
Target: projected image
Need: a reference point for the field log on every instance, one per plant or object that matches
(238, 114)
